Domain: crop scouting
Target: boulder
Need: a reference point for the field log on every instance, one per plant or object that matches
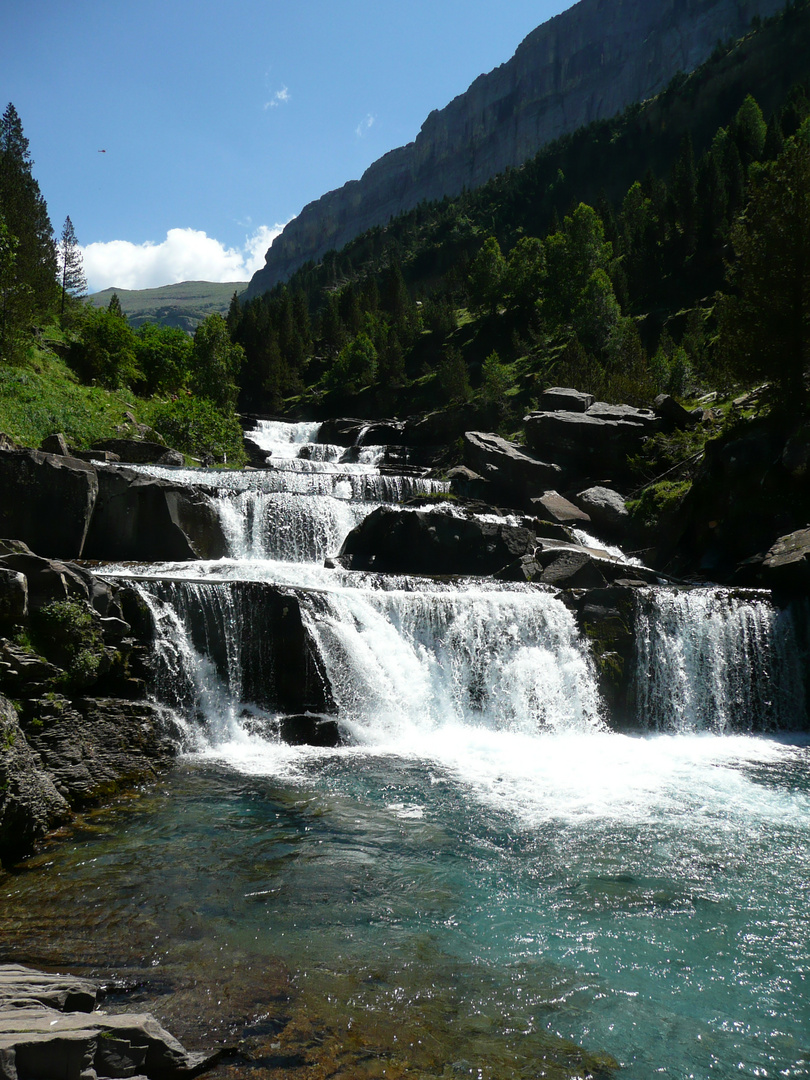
(55, 444)
(142, 519)
(171, 459)
(20, 986)
(256, 455)
(569, 569)
(594, 443)
(563, 399)
(606, 509)
(516, 475)
(673, 414)
(343, 431)
(433, 542)
(135, 451)
(46, 501)
(554, 507)
(786, 566)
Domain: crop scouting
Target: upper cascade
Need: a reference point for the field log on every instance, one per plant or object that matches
(586, 64)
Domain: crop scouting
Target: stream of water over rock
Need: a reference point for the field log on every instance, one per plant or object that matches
(484, 877)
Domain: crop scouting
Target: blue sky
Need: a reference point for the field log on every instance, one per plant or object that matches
(219, 121)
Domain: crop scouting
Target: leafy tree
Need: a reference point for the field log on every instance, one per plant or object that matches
(164, 356)
(453, 376)
(71, 270)
(524, 275)
(105, 351)
(356, 366)
(26, 215)
(764, 328)
(496, 379)
(217, 363)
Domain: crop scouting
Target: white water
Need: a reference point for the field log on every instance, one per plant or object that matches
(644, 895)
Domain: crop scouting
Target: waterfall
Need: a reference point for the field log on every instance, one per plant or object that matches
(716, 660)
(401, 662)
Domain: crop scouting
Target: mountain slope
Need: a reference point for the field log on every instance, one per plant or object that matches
(583, 65)
(185, 304)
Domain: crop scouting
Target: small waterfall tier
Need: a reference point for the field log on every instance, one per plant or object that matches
(716, 660)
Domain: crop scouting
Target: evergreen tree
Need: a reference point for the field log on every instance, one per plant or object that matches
(114, 306)
(71, 270)
(26, 215)
(15, 299)
(217, 363)
(765, 327)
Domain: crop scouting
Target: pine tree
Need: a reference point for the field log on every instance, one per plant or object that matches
(26, 215)
(114, 306)
(71, 270)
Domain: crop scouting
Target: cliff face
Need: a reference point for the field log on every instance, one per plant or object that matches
(586, 64)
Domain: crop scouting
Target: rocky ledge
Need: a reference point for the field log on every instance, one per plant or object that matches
(51, 1026)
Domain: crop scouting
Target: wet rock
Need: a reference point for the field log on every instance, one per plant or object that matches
(142, 519)
(256, 456)
(436, 543)
(342, 431)
(21, 986)
(449, 424)
(30, 804)
(569, 569)
(46, 501)
(606, 619)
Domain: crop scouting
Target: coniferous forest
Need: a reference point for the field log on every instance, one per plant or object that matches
(634, 257)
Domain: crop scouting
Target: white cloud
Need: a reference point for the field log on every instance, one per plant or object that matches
(281, 97)
(364, 126)
(185, 255)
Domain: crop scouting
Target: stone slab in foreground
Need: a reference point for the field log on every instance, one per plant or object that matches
(38, 1039)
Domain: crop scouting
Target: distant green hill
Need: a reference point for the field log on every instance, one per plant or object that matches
(185, 304)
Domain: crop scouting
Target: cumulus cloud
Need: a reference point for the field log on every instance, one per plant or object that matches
(281, 97)
(364, 126)
(185, 255)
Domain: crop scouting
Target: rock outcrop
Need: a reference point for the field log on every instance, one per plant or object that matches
(49, 1027)
(586, 64)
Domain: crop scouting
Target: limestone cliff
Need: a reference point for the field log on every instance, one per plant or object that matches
(583, 65)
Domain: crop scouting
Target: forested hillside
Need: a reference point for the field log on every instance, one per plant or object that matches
(626, 259)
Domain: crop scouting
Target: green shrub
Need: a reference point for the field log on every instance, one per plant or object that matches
(68, 634)
(197, 427)
(658, 501)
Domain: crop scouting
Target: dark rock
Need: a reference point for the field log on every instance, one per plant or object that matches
(516, 475)
(382, 433)
(13, 596)
(562, 399)
(597, 442)
(606, 509)
(419, 542)
(308, 730)
(30, 805)
(142, 519)
(552, 505)
(55, 444)
(447, 425)
(48, 579)
(135, 451)
(106, 457)
(786, 566)
(93, 746)
(46, 501)
(570, 569)
(21, 986)
(257, 457)
(607, 619)
(343, 431)
(674, 414)
(172, 459)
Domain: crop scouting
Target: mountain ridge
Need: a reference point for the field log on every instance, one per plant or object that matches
(585, 64)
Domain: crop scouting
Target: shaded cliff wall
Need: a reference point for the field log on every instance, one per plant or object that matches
(586, 64)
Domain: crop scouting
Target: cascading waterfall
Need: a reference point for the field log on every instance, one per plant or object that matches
(716, 660)
(482, 861)
(402, 662)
